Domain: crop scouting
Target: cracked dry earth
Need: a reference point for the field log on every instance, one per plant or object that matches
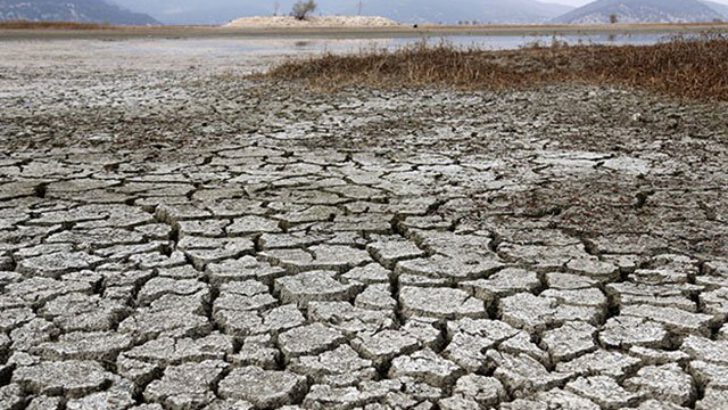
(175, 236)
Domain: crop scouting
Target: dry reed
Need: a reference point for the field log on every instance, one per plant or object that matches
(51, 25)
(684, 67)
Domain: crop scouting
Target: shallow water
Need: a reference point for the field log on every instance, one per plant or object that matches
(297, 46)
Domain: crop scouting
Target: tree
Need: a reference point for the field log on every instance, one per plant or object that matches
(303, 8)
(613, 18)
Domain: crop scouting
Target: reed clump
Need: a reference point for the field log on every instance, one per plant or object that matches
(695, 67)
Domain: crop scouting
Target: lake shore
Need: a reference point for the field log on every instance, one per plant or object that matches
(404, 31)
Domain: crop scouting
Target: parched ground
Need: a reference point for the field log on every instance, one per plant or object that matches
(175, 236)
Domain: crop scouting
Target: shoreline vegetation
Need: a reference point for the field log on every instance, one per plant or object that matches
(55, 25)
(691, 67)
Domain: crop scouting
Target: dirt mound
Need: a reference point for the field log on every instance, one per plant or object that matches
(323, 21)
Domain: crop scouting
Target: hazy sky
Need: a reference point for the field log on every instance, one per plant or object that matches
(583, 2)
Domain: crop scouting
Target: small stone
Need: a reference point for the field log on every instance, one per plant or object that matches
(627, 331)
(675, 320)
(538, 313)
(469, 340)
(601, 271)
(72, 379)
(426, 366)
(145, 325)
(452, 269)
(701, 348)
(558, 280)
(486, 391)
(183, 272)
(247, 322)
(348, 319)
(565, 400)
(339, 367)
(32, 334)
(604, 391)
(658, 405)
(384, 346)
(77, 312)
(715, 303)
(244, 296)
(309, 340)
(569, 341)
(158, 287)
(119, 397)
(600, 363)
(12, 397)
(187, 386)
(522, 343)
(504, 283)
(263, 388)
(101, 346)
(337, 258)
(713, 399)
(376, 297)
(257, 353)
(458, 402)
(658, 357)
(313, 286)
(371, 274)
(56, 264)
(590, 297)
(389, 252)
(13, 318)
(667, 382)
(523, 375)
(166, 351)
(245, 268)
(440, 303)
(251, 225)
(44, 403)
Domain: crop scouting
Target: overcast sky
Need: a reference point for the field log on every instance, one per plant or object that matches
(583, 2)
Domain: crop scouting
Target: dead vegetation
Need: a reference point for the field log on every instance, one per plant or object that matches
(684, 67)
(51, 25)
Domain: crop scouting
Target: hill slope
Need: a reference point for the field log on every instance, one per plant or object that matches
(410, 11)
(641, 11)
(720, 8)
(97, 11)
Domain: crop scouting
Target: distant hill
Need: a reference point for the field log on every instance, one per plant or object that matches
(408, 11)
(642, 11)
(453, 11)
(96, 11)
(720, 8)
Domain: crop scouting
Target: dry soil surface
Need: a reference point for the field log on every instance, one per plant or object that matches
(176, 236)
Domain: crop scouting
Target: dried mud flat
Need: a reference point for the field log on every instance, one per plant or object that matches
(174, 236)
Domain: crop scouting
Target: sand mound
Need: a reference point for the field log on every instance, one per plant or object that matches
(324, 21)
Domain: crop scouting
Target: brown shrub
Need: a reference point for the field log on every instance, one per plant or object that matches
(50, 25)
(694, 68)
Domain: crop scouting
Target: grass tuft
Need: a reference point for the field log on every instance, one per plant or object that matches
(695, 68)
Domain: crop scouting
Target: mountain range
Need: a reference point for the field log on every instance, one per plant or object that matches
(407, 11)
(719, 7)
(637, 11)
(97, 11)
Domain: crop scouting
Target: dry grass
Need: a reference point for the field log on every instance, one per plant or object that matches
(51, 25)
(693, 68)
